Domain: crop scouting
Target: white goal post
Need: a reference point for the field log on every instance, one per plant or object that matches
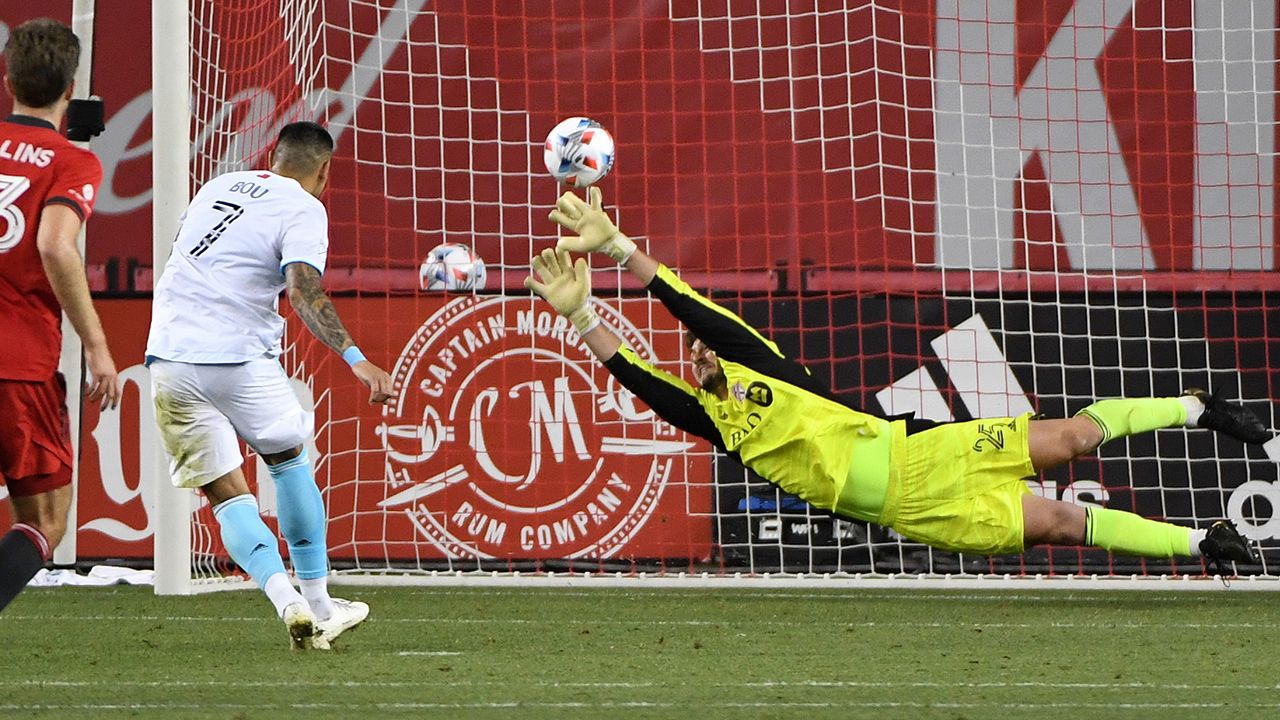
(170, 162)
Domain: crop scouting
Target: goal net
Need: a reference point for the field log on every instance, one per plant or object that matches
(954, 209)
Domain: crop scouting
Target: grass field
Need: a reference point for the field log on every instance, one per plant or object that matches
(687, 653)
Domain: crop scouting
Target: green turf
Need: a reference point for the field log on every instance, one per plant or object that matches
(687, 653)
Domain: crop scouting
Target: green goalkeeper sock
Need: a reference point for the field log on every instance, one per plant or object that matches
(1121, 417)
(1129, 534)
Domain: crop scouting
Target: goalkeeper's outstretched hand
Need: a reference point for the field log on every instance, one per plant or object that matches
(595, 229)
(566, 285)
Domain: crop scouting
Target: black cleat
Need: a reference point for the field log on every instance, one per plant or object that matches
(1229, 418)
(1223, 543)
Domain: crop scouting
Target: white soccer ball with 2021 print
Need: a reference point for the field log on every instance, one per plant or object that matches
(451, 266)
(578, 152)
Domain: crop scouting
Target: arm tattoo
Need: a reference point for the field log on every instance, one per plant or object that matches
(313, 306)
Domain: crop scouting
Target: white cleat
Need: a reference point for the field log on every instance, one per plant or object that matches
(302, 625)
(346, 615)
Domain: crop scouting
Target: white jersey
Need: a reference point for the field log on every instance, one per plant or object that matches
(218, 300)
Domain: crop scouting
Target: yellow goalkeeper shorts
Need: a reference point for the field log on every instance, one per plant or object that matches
(959, 486)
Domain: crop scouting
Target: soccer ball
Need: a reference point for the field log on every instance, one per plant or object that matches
(578, 152)
(451, 266)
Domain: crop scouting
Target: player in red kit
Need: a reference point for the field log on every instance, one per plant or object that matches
(47, 188)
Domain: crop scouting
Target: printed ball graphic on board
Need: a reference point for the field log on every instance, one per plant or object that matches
(578, 152)
(451, 266)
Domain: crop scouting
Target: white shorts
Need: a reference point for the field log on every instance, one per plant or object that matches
(201, 409)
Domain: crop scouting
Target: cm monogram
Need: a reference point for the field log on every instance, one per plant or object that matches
(509, 442)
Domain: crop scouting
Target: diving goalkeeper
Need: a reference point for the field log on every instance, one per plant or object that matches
(955, 486)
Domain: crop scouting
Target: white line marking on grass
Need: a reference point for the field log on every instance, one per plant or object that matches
(407, 653)
(523, 705)
(1149, 595)
(744, 619)
(35, 682)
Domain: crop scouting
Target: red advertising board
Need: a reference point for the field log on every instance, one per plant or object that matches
(507, 440)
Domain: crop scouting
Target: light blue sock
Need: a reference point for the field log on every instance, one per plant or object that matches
(302, 519)
(248, 540)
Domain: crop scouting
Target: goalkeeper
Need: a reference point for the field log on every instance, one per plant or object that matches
(955, 486)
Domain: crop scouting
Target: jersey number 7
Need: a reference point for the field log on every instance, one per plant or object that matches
(232, 211)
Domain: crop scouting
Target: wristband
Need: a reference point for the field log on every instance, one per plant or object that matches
(353, 355)
(584, 319)
(619, 247)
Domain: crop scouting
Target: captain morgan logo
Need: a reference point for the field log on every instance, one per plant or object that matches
(509, 440)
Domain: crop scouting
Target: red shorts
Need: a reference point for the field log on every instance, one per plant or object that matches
(35, 435)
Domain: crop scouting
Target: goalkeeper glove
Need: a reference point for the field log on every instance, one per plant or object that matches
(566, 285)
(596, 231)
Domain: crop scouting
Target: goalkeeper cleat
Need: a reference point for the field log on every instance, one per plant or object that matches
(301, 623)
(1222, 542)
(346, 615)
(1229, 418)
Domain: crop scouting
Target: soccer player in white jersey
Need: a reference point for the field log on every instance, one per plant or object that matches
(213, 349)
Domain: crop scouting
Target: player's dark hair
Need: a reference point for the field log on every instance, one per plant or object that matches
(41, 58)
(303, 147)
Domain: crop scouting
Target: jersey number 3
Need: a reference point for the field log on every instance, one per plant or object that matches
(230, 211)
(11, 188)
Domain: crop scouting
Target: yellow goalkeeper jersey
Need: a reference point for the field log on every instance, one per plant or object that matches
(777, 419)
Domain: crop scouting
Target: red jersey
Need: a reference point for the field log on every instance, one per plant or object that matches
(38, 168)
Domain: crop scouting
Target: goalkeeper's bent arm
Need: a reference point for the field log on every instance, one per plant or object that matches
(673, 399)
